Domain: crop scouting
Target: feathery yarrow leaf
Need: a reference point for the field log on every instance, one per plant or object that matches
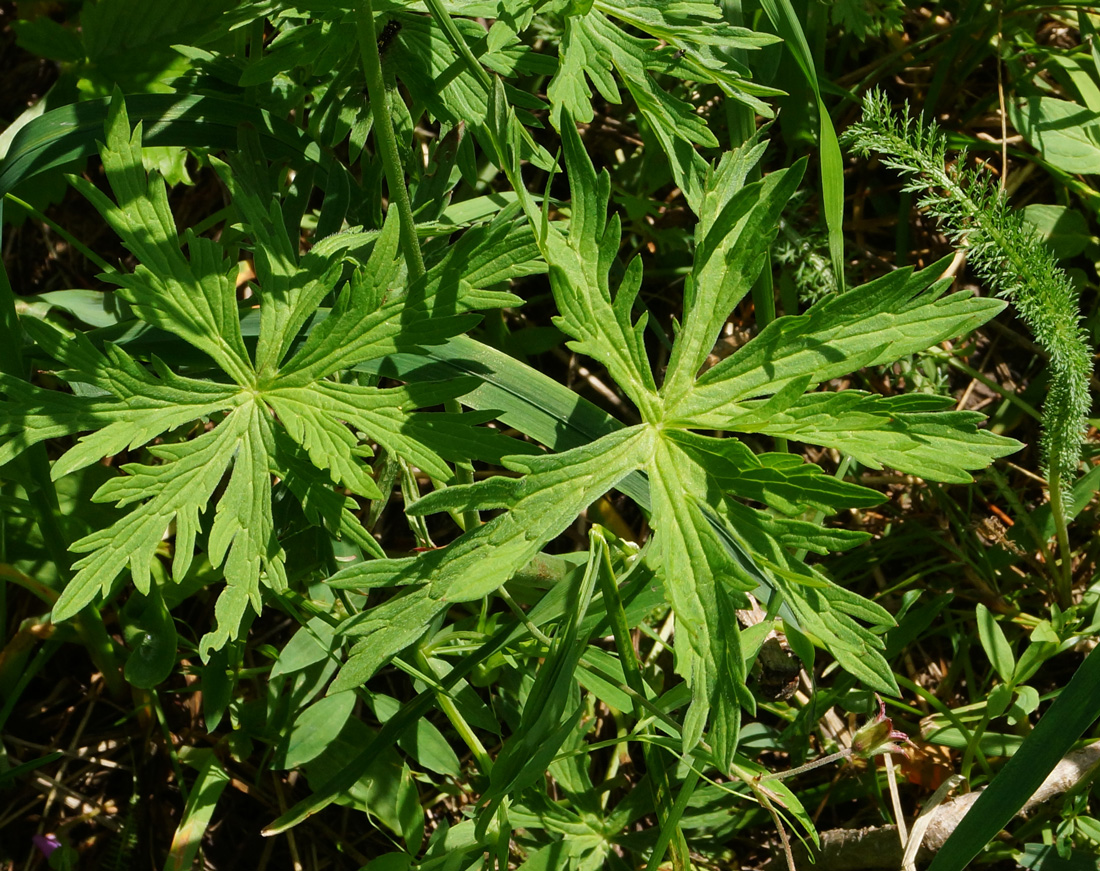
(1005, 252)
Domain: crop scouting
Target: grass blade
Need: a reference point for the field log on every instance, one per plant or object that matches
(786, 23)
(1074, 711)
(198, 812)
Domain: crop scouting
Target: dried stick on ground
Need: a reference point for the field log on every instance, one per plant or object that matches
(879, 847)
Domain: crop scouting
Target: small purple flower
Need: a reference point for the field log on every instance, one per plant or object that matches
(46, 844)
(879, 736)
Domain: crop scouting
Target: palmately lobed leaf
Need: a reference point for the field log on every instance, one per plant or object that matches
(179, 488)
(287, 426)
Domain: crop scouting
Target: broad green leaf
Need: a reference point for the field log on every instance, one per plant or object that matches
(1063, 133)
(92, 307)
(315, 728)
(377, 789)
(150, 632)
(1065, 230)
(426, 744)
(310, 644)
(46, 38)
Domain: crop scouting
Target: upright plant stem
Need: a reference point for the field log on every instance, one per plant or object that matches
(384, 136)
(1064, 575)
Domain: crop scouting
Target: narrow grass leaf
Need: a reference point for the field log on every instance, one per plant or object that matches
(1071, 714)
(198, 811)
(787, 25)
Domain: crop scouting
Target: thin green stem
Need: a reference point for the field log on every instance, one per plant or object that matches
(1064, 576)
(973, 744)
(536, 633)
(443, 19)
(809, 766)
(386, 140)
(671, 826)
(451, 712)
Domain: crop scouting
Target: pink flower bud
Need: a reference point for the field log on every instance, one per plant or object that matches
(879, 736)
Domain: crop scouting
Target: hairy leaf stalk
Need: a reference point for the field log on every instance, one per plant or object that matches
(1008, 255)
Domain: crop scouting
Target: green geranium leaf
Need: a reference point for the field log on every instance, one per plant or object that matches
(214, 448)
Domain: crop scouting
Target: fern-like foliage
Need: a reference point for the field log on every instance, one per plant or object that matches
(1006, 253)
